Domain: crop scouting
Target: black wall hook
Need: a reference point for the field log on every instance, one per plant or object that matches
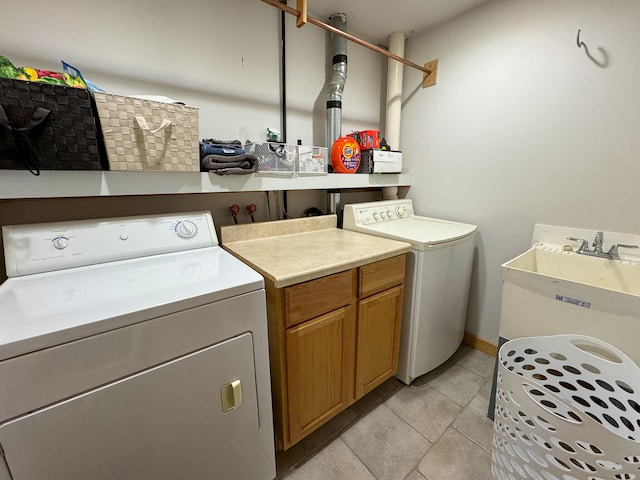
(580, 42)
(605, 57)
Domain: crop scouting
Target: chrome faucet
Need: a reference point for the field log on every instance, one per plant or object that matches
(612, 254)
(597, 243)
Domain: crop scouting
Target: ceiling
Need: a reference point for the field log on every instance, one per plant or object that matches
(375, 20)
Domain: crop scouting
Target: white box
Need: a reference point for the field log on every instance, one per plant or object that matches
(312, 160)
(380, 161)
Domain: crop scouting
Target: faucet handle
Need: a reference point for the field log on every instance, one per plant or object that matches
(613, 251)
(597, 242)
(584, 245)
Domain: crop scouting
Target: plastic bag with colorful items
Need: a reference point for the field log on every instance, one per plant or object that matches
(69, 77)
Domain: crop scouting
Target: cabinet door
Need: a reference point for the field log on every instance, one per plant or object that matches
(379, 321)
(320, 363)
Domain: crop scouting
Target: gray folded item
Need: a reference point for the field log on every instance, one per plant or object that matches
(237, 143)
(230, 165)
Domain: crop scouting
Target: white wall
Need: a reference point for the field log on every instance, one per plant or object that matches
(219, 55)
(524, 128)
(222, 56)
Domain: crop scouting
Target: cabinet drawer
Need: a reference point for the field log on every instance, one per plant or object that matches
(379, 276)
(310, 299)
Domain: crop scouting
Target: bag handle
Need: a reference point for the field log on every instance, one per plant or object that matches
(27, 154)
(601, 350)
(142, 123)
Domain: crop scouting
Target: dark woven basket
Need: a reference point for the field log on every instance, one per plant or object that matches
(66, 140)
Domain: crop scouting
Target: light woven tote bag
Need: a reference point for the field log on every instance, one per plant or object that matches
(148, 135)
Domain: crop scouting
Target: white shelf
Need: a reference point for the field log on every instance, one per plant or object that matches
(51, 183)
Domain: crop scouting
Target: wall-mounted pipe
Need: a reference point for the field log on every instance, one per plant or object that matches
(395, 72)
(394, 92)
(283, 97)
(337, 81)
(283, 79)
(375, 48)
(334, 98)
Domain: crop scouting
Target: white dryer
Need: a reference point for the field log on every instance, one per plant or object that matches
(437, 279)
(132, 348)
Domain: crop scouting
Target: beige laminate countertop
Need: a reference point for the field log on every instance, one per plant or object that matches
(293, 251)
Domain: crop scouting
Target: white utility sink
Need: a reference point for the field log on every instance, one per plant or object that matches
(553, 263)
(548, 290)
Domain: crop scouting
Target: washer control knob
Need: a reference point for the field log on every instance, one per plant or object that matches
(186, 229)
(60, 243)
(375, 215)
(401, 211)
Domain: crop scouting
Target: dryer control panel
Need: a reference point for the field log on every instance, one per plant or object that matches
(46, 247)
(360, 214)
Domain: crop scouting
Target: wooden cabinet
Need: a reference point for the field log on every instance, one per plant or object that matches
(378, 327)
(332, 340)
(320, 362)
(380, 290)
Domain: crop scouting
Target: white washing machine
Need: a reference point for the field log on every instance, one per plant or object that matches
(437, 279)
(132, 348)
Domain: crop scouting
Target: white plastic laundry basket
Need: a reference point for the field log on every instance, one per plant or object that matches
(567, 408)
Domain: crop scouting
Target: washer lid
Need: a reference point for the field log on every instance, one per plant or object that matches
(422, 232)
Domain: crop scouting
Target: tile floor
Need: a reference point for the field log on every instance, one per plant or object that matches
(435, 429)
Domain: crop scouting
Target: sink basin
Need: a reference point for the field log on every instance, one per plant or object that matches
(613, 275)
(547, 291)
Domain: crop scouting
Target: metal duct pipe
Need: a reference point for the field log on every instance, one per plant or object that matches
(338, 78)
(394, 101)
(334, 97)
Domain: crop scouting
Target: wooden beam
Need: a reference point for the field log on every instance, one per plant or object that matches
(301, 6)
(348, 36)
(430, 80)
